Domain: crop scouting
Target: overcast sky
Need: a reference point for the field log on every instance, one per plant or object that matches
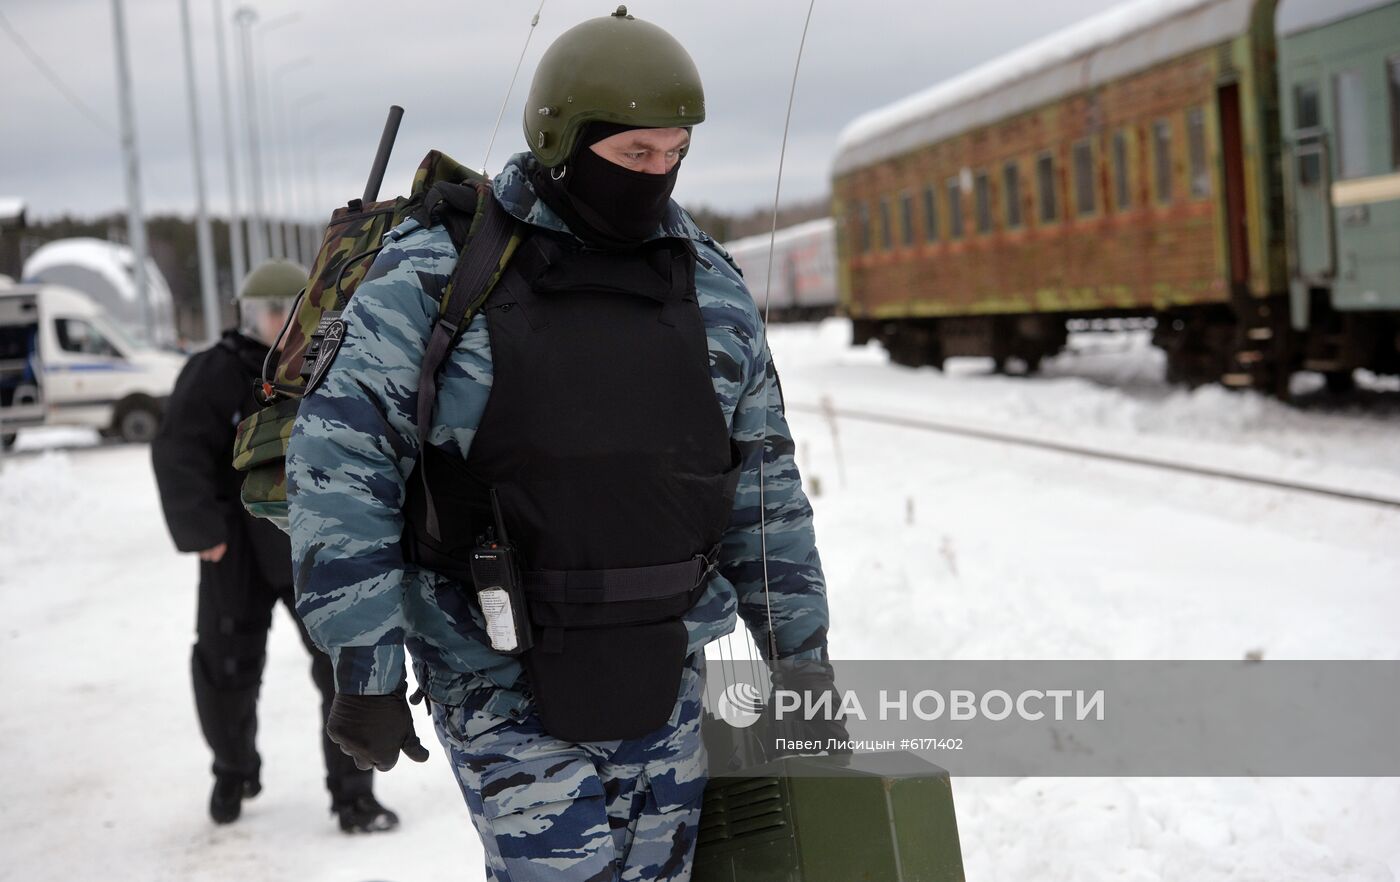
(447, 62)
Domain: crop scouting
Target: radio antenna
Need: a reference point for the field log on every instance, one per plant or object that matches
(772, 648)
(500, 521)
(511, 88)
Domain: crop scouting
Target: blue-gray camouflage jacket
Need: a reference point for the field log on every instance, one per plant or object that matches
(354, 444)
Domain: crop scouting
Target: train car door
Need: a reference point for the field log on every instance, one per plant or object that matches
(1236, 213)
(1365, 93)
(1310, 177)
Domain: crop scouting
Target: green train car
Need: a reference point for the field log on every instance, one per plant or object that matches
(1339, 81)
(1228, 169)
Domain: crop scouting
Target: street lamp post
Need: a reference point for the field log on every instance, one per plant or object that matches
(282, 150)
(258, 80)
(135, 218)
(235, 221)
(304, 166)
(244, 18)
(204, 240)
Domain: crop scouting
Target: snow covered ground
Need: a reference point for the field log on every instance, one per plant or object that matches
(935, 547)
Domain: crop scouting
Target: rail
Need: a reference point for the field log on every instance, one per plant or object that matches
(1010, 438)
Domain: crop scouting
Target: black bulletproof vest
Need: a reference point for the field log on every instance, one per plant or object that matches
(614, 468)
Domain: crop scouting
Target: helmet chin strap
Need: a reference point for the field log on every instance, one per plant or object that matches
(506, 100)
(772, 648)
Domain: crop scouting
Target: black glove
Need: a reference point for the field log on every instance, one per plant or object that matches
(372, 729)
(812, 678)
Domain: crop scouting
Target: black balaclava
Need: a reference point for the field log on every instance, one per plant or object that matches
(602, 202)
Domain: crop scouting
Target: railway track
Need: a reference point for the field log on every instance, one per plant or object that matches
(941, 427)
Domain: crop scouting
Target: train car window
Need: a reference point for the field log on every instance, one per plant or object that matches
(955, 214)
(1196, 152)
(886, 237)
(1162, 159)
(862, 228)
(906, 218)
(1349, 93)
(1045, 188)
(1011, 178)
(1083, 157)
(1393, 68)
(1121, 193)
(1306, 106)
(982, 191)
(930, 213)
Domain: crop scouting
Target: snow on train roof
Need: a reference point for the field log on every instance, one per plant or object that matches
(1119, 41)
(820, 226)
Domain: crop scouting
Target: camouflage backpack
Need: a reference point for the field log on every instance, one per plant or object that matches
(444, 191)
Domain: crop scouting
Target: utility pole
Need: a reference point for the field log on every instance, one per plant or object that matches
(291, 242)
(291, 156)
(204, 239)
(235, 221)
(258, 80)
(270, 143)
(135, 218)
(257, 235)
(281, 156)
(315, 142)
(304, 165)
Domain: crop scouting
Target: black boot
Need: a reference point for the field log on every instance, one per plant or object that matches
(363, 814)
(226, 801)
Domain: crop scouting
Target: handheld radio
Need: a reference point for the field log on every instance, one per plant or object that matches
(495, 568)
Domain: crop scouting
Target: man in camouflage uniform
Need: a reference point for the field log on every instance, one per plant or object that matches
(546, 807)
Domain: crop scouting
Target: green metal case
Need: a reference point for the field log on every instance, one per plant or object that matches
(884, 817)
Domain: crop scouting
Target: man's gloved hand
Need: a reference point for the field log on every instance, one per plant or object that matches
(810, 678)
(372, 729)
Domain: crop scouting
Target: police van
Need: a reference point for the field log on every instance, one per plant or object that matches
(63, 361)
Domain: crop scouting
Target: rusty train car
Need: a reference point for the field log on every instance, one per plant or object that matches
(1133, 165)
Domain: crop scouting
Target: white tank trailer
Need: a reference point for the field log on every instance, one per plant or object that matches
(104, 271)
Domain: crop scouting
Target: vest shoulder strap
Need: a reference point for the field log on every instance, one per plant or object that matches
(493, 239)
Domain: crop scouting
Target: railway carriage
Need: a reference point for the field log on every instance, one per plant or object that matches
(1129, 166)
(1339, 83)
(803, 278)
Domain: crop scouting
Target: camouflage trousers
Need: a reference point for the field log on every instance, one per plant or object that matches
(556, 811)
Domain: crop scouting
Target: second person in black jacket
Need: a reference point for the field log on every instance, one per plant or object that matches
(245, 562)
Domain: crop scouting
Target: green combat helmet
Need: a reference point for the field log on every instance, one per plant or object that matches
(274, 280)
(267, 296)
(614, 69)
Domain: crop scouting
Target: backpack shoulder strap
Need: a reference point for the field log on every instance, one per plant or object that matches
(479, 265)
(452, 205)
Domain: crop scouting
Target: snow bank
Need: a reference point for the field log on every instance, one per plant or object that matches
(940, 547)
(934, 547)
(37, 507)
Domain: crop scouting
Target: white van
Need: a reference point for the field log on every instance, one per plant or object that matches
(63, 361)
